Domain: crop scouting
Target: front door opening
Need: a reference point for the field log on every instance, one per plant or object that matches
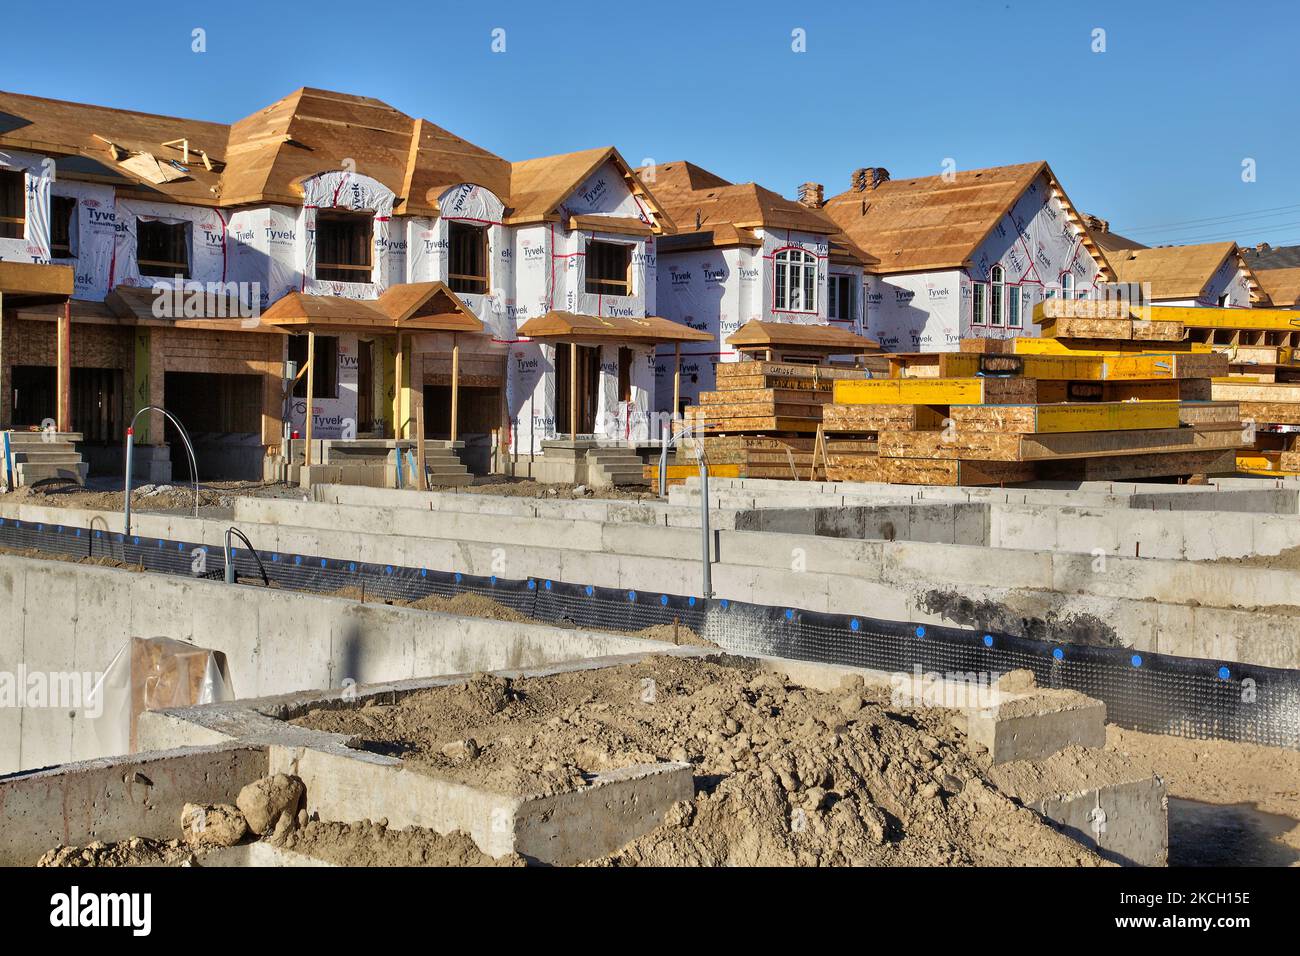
(588, 382)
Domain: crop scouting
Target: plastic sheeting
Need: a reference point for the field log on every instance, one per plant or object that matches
(262, 247)
(93, 236)
(343, 189)
(38, 175)
(152, 674)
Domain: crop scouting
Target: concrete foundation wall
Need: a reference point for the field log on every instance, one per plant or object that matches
(118, 798)
(1217, 611)
(275, 641)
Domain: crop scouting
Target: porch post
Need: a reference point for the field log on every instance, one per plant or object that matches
(63, 403)
(399, 426)
(573, 390)
(677, 379)
(455, 386)
(311, 391)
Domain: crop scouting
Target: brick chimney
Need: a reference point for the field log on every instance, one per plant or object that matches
(868, 178)
(812, 195)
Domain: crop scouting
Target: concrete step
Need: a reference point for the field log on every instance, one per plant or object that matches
(28, 473)
(54, 454)
(27, 437)
(450, 481)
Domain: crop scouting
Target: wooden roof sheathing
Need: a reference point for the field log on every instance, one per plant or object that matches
(260, 158)
(404, 307)
(1282, 286)
(1175, 272)
(933, 222)
(539, 187)
(709, 211)
(756, 334)
(569, 326)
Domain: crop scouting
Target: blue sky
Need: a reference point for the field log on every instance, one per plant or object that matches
(1151, 133)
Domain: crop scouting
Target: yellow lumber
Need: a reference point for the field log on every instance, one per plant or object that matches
(1076, 417)
(931, 391)
(1035, 346)
(1202, 317)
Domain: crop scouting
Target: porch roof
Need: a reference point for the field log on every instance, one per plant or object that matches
(406, 307)
(571, 327)
(32, 282)
(825, 338)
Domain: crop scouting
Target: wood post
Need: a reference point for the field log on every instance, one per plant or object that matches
(63, 403)
(399, 426)
(677, 379)
(573, 391)
(455, 387)
(311, 392)
(419, 447)
(5, 394)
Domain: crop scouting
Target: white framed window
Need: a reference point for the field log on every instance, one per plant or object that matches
(1067, 285)
(841, 298)
(997, 295)
(796, 281)
(1013, 306)
(979, 304)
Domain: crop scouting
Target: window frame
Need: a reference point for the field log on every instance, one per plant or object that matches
(607, 286)
(997, 297)
(788, 262)
(1015, 306)
(836, 284)
(361, 218)
(1067, 288)
(464, 282)
(18, 221)
(70, 246)
(979, 304)
(172, 267)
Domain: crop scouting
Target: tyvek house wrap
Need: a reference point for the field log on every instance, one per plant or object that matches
(262, 247)
(1035, 243)
(343, 189)
(429, 247)
(205, 242)
(530, 367)
(92, 237)
(773, 242)
(336, 416)
(916, 311)
(38, 173)
(702, 290)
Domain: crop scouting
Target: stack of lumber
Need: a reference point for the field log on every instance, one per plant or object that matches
(992, 418)
(763, 417)
(1107, 321)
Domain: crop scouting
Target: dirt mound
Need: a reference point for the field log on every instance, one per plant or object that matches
(373, 844)
(139, 851)
(784, 775)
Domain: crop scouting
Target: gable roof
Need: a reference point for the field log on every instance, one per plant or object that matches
(710, 211)
(406, 307)
(258, 159)
(539, 187)
(933, 222)
(1282, 286)
(1180, 272)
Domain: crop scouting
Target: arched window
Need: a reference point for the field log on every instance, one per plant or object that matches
(796, 281)
(997, 295)
(1067, 285)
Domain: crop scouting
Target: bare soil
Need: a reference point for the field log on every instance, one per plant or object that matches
(784, 775)
(507, 487)
(477, 605)
(364, 843)
(1287, 560)
(1221, 772)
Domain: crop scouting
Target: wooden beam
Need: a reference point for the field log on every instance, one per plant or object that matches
(399, 426)
(63, 407)
(311, 392)
(677, 378)
(419, 446)
(573, 390)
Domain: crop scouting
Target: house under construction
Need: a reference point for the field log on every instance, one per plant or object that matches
(327, 268)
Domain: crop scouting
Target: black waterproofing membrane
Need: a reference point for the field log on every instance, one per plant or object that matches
(1156, 693)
